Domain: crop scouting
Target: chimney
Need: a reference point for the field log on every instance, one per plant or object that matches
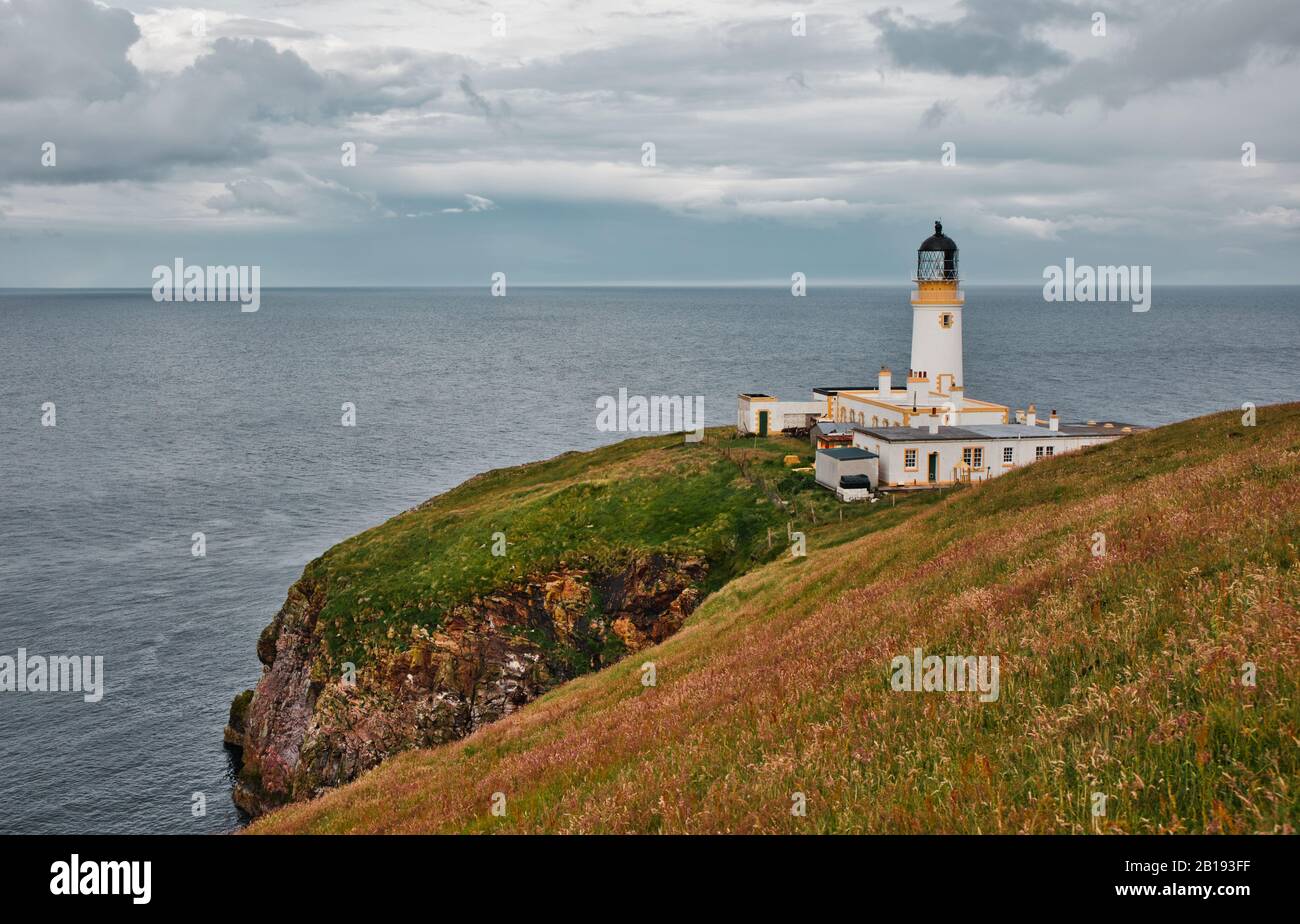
(915, 384)
(886, 382)
(934, 420)
(1054, 422)
(1020, 416)
(1031, 416)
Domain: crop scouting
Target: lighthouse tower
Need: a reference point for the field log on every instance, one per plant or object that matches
(936, 318)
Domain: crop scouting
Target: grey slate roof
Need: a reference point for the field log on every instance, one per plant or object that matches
(975, 432)
(1011, 431)
(920, 434)
(835, 391)
(848, 453)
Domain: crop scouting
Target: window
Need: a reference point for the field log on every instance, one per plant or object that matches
(946, 320)
(1008, 454)
(1050, 451)
(909, 459)
(973, 456)
(1044, 451)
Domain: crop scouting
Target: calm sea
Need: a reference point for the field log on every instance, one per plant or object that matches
(173, 419)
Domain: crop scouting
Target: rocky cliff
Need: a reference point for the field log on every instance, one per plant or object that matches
(315, 722)
(456, 612)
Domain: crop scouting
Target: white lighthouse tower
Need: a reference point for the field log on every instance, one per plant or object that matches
(936, 318)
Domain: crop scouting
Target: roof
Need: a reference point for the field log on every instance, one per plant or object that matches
(939, 241)
(972, 432)
(1008, 431)
(834, 426)
(848, 453)
(837, 390)
(920, 434)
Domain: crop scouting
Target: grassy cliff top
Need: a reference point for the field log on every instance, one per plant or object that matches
(716, 499)
(1121, 673)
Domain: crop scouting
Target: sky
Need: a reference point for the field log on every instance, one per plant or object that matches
(511, 137)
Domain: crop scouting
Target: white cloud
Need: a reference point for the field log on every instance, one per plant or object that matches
(242, 125)
(1274, 216)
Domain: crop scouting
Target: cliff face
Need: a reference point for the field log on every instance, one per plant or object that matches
(312, 723)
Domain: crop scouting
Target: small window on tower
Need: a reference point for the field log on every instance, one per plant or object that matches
(945, 320)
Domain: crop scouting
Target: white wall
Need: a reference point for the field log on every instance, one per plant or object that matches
(830, 470)
(747, 413)
(892, 456)
(936, 350)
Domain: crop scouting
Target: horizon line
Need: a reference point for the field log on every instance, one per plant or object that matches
(759, 284)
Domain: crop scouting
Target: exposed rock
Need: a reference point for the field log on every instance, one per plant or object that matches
(304, 732)
(233, 734)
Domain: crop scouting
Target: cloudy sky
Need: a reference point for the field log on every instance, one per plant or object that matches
(216, 133)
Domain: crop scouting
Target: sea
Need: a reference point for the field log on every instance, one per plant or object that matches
(174, 419)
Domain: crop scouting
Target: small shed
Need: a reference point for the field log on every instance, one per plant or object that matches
(827, 434)
(847, 467)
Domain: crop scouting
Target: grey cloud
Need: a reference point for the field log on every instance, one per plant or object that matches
(937, 112)
(481, 104)
(65, 49)
(991, 38)
(1176, 44)
(69, 82)
(720, 67)
(251, 195)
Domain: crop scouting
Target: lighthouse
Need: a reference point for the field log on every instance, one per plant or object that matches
(878, 436)
(936, 318)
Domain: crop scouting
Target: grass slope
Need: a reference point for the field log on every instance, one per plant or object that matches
(717, 499)
(1120, 674)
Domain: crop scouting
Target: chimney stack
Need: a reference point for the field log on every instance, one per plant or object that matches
(886, 382)
(934, 420)
(1031, 416)
(1054, 422)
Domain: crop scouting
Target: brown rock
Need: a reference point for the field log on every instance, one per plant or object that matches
(304, 732)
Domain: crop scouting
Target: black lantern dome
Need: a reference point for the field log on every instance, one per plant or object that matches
(936, 259)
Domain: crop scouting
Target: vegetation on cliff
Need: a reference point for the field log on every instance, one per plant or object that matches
(726, 501)
(458, 612)
(1161, 674)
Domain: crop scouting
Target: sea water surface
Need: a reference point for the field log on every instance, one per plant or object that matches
(179, 418)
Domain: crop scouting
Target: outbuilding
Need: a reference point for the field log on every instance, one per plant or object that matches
(848, 471)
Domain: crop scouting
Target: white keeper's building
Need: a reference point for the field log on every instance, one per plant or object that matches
(926, 432)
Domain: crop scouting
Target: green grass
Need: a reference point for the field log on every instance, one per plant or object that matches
(718, 499)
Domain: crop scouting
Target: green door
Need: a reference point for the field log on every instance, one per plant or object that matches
(762, 423)
(934, 467)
